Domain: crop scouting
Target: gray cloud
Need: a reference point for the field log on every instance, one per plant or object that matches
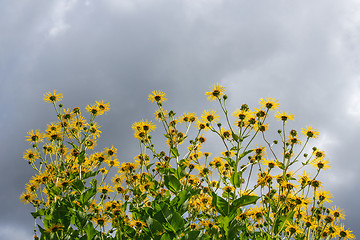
(304, 54)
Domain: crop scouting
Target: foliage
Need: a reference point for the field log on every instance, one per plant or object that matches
(251, 190)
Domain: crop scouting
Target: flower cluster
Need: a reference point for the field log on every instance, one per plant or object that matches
(253, 188)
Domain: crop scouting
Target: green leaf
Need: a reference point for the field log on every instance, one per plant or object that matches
(81, 157)
(73, 145)
(39, 213)
(78, 185)
(234, 136)
(243, 201)
(191, 235)
(165, 236)
(154, 225)
(177, 222)
(174, 152)
(148, 166)
(244, 154)
(230, 161)
(87, 195)
(221, 205)
(90, 231)
(90, 174)
(180, 172)
(281, 220)
(236, 179)
(234, 148)
(79, 219)
(172, 183)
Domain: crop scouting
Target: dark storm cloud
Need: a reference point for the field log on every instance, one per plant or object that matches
(304, 54)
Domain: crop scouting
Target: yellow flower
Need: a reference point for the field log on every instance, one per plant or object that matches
(101, 220)
(160, 115)
(269, 163)
(228, 153)
(269, 103)
(187, 117)
(92, 109)
(228, 189)
(284, 116)
(142, 159)
(112, 162)
(203, 170)
(338, 213)
(30, 155)
(262, 127)
(27, 197)
(157, 96)
(128, 167)
(292, 228)
(105, 189)
(345, 234)
(202, 125)
(55, 227)
(79, 123)
(293, 140)
(323, 196)
(241, 114)
(225, 134)
(111, 151)
(52, 97)
(137, 224)
(304, 179)
(260, 113)
(34, 137)
(102, 107)
(320, 163)
(210, 116)
(310, 132)
(216, 92)
(209, 224)
(143, 125)
(94, 131)
(259, 150)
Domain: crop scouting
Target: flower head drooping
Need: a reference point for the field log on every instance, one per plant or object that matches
(216, 92)
(52, 97)
(157, 96)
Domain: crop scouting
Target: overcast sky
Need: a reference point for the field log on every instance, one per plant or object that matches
(306, 54)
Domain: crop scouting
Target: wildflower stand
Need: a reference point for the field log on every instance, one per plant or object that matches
(252, 190)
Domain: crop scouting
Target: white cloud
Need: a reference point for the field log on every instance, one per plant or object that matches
(353, 101)
(126, 5)
(59, 25)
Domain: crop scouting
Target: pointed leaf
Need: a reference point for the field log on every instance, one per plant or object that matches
(244, 154)
(221, 205)
(172, 183)
(243, 201)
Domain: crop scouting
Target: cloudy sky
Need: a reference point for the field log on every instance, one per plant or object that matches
(306, 54)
